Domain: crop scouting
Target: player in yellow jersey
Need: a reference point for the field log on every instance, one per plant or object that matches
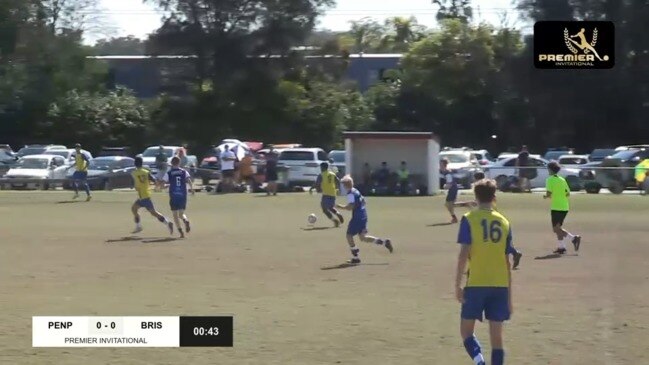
(558, 191)
(484, 237)
(142, 179)
(81, 172)
(328, 184)
(511, 250)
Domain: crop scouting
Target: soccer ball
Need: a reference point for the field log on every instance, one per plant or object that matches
(312, 219)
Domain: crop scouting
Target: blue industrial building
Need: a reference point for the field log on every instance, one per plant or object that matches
(144, 74)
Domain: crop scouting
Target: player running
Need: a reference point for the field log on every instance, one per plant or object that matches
(511, 250)
(358, 224)
(178, 178)
(453, 189)
(81, 172)
(142, 178)
(484, 236)
(558, 191)
(328, 184)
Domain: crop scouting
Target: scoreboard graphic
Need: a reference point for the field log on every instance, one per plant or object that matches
(179, 331)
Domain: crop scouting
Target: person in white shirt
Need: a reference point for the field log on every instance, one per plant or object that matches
(228, 159)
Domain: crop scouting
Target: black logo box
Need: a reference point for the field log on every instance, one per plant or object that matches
(549, 39)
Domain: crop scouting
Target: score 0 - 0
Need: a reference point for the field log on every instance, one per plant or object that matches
(105, 326)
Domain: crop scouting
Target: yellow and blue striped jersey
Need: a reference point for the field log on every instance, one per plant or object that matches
(489, 235)
(328, 183)
(142, 178)
(80, 162)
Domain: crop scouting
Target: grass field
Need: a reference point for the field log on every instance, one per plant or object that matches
(252, 257)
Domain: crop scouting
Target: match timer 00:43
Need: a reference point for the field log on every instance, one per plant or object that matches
(181, 331)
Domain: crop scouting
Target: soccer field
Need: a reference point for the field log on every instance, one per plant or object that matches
(252, 257)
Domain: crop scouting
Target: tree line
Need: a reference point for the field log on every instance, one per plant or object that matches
(464, 80)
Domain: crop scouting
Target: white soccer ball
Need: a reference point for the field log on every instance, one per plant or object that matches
(312, 219)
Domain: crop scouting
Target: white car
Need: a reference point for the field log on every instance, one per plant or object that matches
(45, 167)
(303, 165)
(149, 155)
(463, 164)
(503, 169)
(573, 161)
(68, 155)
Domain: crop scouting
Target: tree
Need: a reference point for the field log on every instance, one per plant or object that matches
(454, 9)
(401, 33)
(128, 46)
(97, 119)
(366, 35)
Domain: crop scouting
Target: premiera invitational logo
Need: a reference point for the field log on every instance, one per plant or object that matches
(574, 45)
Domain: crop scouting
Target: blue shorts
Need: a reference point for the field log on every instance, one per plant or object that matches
(357, 226)
(328, 203)
(80, 175)
(493, 302)
(451, 196)
(178, 202)
(145, 203)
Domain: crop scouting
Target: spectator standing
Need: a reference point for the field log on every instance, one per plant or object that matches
(227, 168)
(161, 164)
(404, 178)
(524, 173)
(271, 172)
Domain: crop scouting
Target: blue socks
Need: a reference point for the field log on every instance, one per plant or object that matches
(497, 357)
(472, 347)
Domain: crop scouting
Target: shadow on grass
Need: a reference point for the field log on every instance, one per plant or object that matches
(142, 239)
(347, 265)
(554, 256)
(317, 228)
(160, 240)
(440, 224)
(69, 201)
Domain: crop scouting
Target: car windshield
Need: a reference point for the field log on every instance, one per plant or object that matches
(554, 155)
(297, 156)
(455, 157)
(573, 161)
(624, 155)
(599, 155)
(338, 156)
(26, 151)
(58, 153)
(32, 163)
(153, 152)
(103, 164)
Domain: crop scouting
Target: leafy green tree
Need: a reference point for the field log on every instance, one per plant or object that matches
(97, 119)
(454, 9)
(129, 46)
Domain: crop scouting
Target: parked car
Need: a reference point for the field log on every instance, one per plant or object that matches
(338, 156)
(555, 153)
(463, 164)
(616, 172)
(599, 154)
(45, 167)
(209, 168)
(7, 160)
(107, 173)
(483, 156)
(68, 155)
(631, 147)
(303, 165)
(7, 148)
(503, 169)
(115, 151)
(149, 155)
(38, 149)
(574, 161)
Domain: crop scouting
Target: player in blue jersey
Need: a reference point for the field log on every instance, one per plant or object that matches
(453, 189)
(484, 237)
(178, 179)
(358, 224)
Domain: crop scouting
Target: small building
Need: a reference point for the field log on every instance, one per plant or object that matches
(419, 149)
